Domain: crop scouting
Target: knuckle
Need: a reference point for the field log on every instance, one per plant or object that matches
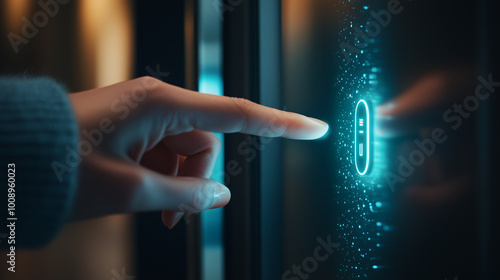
(149, 81)
(242, 103)
(159, 94)
(242, 106)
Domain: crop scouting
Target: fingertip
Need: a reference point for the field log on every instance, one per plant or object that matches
(322, 129)
(384, 110)
(308, 129)
(386, 124)
(222, 195)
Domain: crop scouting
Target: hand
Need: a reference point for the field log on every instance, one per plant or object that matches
(436, 204)
(150, 148)
(448, 171)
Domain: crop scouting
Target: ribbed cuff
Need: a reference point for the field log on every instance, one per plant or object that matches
(37, 125)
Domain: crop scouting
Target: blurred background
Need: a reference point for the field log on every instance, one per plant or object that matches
(289, 198)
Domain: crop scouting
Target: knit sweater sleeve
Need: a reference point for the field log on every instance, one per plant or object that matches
(37, 127)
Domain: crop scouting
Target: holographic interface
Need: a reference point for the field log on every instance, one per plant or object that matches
(362, 137)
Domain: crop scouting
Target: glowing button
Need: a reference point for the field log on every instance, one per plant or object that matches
(362, 137)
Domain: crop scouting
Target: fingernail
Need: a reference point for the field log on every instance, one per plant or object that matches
(222, 195)
(174, 220)
(320, 128)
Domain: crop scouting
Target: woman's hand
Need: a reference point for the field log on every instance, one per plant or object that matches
(145, 145)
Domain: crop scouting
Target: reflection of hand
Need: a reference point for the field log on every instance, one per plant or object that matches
(447, 170)
(151, 149)
(436, 204)
(423, 103)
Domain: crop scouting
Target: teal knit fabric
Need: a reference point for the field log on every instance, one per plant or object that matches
(36, 125)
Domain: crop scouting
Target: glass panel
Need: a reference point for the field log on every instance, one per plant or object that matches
(405, 210)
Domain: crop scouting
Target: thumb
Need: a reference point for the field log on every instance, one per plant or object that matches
(177, 193)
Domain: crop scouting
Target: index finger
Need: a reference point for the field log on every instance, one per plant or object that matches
(194, 110)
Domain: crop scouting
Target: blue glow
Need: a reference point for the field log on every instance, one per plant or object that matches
(210, 83)
(362, 220)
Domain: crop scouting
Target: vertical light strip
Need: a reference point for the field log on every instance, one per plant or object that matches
(106, 29)
(210, 81)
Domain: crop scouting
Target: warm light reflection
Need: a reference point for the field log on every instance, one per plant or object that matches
(106, 40)
(297, 17)
(14, 11)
